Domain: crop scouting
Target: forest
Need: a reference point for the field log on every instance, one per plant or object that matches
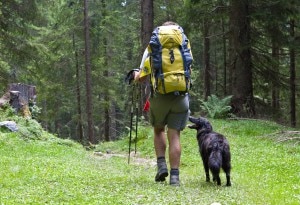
(77, 54)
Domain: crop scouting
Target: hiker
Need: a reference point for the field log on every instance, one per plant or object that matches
(169, 102)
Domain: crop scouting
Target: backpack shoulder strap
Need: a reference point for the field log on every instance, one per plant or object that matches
(156, 50)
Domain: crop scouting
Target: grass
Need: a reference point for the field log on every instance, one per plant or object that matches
(47, 170)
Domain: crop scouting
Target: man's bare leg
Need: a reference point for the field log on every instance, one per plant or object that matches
(174, 155)
(160, 150)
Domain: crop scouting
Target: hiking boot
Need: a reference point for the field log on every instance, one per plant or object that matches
(162, 172)
(174, 180)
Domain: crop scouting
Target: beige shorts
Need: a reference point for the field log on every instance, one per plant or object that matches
(169, 110)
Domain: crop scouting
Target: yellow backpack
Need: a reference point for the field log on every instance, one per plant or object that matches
(171, 59)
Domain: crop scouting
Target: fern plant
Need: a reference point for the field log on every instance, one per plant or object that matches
(215, 107)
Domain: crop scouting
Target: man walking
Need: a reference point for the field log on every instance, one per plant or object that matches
(169, 101)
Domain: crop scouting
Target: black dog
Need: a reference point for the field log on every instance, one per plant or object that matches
(214, 150)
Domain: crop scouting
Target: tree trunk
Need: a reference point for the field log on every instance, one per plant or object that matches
(147, 22)
(106, 116)
(110, 108)
(243, 101)
(89, 102)
(292, 75)
(224, 59)
(206, 51)
(146, 31)
(274, 78)
(79, 119)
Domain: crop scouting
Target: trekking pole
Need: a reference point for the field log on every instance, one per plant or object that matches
(131, 119)
(136, 118)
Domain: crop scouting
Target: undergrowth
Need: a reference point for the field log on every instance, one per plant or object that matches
(217, 108)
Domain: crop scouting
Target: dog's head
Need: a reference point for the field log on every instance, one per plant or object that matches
(201, 124)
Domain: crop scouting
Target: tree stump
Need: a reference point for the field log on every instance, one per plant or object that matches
(20, 97)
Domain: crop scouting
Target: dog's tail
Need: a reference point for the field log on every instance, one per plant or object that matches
(215, 160)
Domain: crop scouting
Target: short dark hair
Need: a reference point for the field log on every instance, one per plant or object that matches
(170, 23)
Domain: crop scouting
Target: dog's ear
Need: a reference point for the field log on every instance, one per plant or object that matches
(208, 126)
(205, 123)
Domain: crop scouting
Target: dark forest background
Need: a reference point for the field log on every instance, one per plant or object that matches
(77, 54)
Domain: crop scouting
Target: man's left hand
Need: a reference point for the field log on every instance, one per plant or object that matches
(130, 75)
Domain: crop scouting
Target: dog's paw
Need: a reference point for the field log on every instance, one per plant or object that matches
(228, 184)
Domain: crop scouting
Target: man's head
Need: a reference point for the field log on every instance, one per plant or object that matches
(169, 23)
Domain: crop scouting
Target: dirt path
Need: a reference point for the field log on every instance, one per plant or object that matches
(134, 158)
